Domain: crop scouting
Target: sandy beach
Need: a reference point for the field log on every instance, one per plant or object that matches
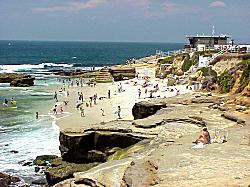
(71, 118)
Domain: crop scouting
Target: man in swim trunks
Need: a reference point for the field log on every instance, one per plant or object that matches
(204, 137)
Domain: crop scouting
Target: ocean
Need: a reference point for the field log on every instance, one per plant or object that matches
(22, 137)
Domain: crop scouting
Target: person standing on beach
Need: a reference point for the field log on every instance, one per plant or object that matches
(119, 112)
(109, 94)
(139, 93)
(102, 112)
(55, 97)
(82, 96)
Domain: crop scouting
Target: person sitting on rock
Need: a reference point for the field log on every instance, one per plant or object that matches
(204, 137)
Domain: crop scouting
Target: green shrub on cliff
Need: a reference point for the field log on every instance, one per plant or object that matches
(227, 79)
(207, 71)
(245, 77)
(226, 82)
(167, 60)
(187, 63)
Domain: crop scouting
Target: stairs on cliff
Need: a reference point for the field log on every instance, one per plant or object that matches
(104, 76)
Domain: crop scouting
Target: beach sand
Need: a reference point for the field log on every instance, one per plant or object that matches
(70, 118)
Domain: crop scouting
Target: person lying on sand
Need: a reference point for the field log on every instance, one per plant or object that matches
(204, 137)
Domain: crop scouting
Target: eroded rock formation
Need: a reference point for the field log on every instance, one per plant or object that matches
(19, 80)
(94, 145)
(6, 180)
(147, 108)
(119, 73)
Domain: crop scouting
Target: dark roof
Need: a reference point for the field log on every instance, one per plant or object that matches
(207, 36)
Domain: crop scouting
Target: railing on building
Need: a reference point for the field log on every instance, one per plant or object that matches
(174, 52)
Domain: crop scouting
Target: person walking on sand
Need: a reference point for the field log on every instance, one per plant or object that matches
(55, 96)
(119, 112)
(55, 110)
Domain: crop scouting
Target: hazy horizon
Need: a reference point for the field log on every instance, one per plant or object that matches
(162, 21)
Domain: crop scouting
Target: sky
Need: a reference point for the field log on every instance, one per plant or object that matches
(122, 20)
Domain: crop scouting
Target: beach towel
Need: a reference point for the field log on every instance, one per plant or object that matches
(199, 146)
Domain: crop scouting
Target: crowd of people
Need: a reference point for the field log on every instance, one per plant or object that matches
(81, 103)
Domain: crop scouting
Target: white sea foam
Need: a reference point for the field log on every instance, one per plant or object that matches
(41, 94)
(20, 67)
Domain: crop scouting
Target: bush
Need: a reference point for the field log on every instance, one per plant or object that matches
(226, 82)
(207, 71)
(227, 78)
(187, 63)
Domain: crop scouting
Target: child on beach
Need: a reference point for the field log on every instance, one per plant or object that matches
(119, 112)
(102, 112)
(82, 111)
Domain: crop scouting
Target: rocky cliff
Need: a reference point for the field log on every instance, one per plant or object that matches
(20, 80)
(156, 150)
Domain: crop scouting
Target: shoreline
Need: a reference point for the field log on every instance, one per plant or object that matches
(176, 120)
(70, 118)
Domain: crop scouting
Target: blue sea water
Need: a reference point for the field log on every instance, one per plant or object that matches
(19, 130)
(78, 54)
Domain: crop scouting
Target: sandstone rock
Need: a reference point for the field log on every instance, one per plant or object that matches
(80, 147)
(103, 76)
(146, 108)
(20, 80)
(233, 117)
(120, 72)
(43, 159)
(6, 180)
(65, 170)
(40, 182)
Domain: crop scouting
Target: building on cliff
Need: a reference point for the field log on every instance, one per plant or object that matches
(207, 41)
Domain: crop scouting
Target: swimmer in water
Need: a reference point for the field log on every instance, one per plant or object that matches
(5, 104)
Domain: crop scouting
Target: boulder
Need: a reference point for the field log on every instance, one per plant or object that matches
(61, 170)
(146, 108)
(39, 182)
(17, 80)
(6, 179)
(23, 82)
(94, 145)
(42, 160)
(119, 73)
